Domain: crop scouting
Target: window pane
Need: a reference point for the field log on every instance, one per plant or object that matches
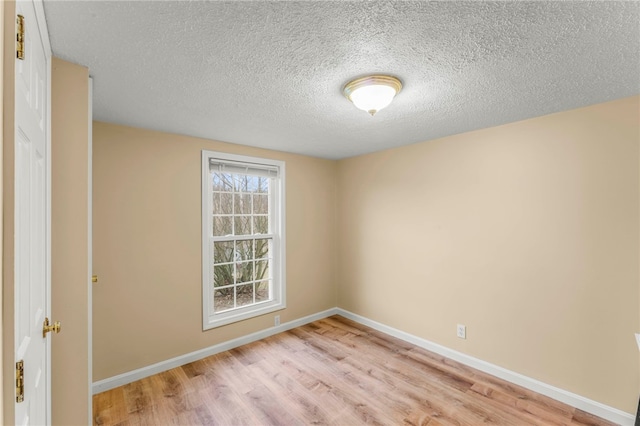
(251, 184)
(222, 225)
(215, 181)
(223, 252)
(242, 183)
(261, 269)
(244, 250)
(260, 225)
(222, 275)
(244, 295)
(222, 182)
(244, 272)
(262, 291)
(262, 185)
(226, 203)
(262, 248)
(223, 299)
(215, 201)
(260, 204)
(242, 225)
(242, 203)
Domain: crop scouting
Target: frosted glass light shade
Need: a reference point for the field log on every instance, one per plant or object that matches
(372, 93)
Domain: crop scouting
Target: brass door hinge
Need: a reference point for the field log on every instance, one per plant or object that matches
(20, 38)
(19, 381)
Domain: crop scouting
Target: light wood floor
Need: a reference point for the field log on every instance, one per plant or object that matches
(335, 372)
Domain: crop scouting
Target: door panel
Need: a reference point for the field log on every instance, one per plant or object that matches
(31, 213)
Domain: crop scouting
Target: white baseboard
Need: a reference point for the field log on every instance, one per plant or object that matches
(141, 373)
(569, 398)
(572, 399)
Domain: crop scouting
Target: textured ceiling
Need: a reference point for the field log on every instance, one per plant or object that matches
(270, 74)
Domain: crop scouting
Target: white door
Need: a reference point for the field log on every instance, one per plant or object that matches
(32, 217)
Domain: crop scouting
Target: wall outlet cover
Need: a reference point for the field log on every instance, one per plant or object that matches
(638, 340)
(461, 331)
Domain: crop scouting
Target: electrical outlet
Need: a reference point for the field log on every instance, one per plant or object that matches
(638, 339)
(461, 331)
(276, 320)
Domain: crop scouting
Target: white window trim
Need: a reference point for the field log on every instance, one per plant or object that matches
(209, 318)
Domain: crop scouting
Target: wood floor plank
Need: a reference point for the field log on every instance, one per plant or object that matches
(109, 408)
(138, 396)
(296, 398)
(177, 395)
(303, 379)
(522, 397)
(196, 373)
(582, 418)
(366, 361)
(494, 398)
(226, 407)
(151, 415)
(331, 372)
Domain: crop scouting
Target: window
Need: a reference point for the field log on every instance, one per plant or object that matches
(242, 237)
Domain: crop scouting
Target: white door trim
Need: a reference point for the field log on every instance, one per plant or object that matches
(44, 32)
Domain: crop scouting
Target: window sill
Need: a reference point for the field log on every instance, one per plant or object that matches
(229, 317)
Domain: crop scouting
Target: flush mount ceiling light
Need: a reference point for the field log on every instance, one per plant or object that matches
(373, 92)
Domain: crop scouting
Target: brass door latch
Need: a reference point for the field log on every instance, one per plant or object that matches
(46, 327)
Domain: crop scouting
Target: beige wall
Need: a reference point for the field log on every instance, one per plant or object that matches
(147, 245)
(69, 242)
(526, 233)
(1, 145)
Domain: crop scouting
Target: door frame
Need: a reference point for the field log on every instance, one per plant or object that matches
(44, 34)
